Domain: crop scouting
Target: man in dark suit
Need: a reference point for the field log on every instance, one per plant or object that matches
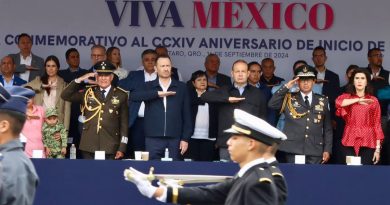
(28, 65)
(133, 82)
(307, 117)
(216, 79)
(105, 113)
(167, 113)
(253, 184)
(242, 96)
(74, 71)
(7, 68)
(327, 79)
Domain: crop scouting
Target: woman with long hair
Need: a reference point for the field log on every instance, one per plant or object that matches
(48, 88)
(361, 112)
(114, 56)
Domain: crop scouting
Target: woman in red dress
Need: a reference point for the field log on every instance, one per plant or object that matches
(361, 112)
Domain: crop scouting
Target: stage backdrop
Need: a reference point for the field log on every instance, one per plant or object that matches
(283, 30)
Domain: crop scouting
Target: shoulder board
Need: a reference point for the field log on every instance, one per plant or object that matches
(123, 90)
(275, 171)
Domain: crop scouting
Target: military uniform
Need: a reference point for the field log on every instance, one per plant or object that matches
(256, 186)
(308, 127)
(105, 118)
(19, 177)
(50, 142)
(280, 182)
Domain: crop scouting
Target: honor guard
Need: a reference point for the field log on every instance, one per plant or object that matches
(253, 184)
(307, 123)
(104, 112)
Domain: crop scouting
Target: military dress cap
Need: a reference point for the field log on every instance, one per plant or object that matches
(51, 112)
(15, 98)
(305, 71)
(255, 128)
(104, 67)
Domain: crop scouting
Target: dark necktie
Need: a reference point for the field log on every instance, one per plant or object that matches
(103, 96)
(307, 101)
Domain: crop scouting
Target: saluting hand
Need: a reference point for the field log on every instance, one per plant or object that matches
(291, 82)
(86, 78)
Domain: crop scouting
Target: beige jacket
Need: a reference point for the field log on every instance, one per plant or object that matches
(63, 107)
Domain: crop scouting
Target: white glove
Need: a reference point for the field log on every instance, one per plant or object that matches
(140, 180)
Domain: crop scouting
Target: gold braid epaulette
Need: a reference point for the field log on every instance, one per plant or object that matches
(290, 107)
(90, 94)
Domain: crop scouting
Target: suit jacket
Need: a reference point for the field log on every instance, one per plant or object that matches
(63, 107)
(254, 103)
(36, 62)
(133, 82)
(105, 127)
(223, 80)
(331, 89)
(175, 122)
(256, 186)
(310, 134)
(17, 81)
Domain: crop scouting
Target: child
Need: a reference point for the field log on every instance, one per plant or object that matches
(53, 130)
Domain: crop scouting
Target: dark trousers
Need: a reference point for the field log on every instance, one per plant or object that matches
(366, 154)
(200, 150)
(137, 138)
(290, 158)
(90, 155)
(156, 147)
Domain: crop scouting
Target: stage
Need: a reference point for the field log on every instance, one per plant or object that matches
(90, 182)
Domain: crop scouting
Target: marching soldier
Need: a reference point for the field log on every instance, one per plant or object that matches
(104, 112)
(253, 184)
(308, 124)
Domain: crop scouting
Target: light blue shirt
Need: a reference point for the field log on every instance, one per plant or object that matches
(10, 84)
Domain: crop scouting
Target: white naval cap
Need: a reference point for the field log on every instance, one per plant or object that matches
(255, 128)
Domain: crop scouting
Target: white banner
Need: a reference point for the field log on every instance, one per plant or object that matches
(283, 30)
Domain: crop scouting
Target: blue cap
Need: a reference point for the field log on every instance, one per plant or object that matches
(15, 98)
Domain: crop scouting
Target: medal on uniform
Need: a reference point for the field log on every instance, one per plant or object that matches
(115, 100)
(296, 104)
(318, 108)
(110, 110)
(315, 121)
(81, 118)
(321, 102)
(319, 117)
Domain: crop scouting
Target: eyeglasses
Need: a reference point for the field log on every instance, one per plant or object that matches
(379, 55)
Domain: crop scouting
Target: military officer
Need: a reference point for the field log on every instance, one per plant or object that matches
(104, 112)
(253, 184)
(308, 124)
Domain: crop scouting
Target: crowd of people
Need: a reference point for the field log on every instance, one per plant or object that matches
(109, 108)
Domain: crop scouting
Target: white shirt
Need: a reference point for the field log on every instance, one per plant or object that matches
(249, 165)
(148, 77)
(107, 89)
(321, 76)
(165, 89)
(201, 130)
(26, 61)
(310, 95)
